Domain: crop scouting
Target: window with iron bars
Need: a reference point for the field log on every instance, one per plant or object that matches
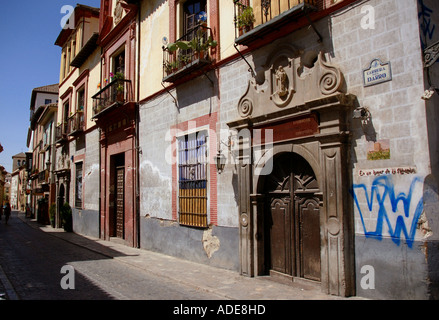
(192, 164)
(78, 186)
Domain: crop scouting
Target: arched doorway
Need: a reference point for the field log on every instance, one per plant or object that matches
(292, 243)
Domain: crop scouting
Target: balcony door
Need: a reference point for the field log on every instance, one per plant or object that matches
(119, 63)
(191, 12)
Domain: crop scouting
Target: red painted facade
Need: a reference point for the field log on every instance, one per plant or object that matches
(117, 124)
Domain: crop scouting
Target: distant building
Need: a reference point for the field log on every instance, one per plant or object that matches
(76, 134)
(40, 141)
(17, 200)
(3, 174)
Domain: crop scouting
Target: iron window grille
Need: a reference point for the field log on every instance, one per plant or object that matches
(192, 167)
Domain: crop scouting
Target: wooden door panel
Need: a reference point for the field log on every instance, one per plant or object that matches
(293, 219)
(310, 240)
(120, 185)
(280, 234)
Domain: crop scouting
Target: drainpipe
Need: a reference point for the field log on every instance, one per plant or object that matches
(100, 161)
(137, 115)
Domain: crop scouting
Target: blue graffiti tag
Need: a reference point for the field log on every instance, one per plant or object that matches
(427, 27)
(382, 188)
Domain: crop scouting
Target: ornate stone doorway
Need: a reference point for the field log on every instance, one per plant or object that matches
(296, 218)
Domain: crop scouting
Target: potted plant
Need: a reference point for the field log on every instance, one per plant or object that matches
(171, 66)
(198, 44)
(184, 59)
(119, 77)
(203, 45)
(52, 212)
(66, 216)
(246, 19)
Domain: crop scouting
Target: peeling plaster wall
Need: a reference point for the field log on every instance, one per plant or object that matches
(153, 186)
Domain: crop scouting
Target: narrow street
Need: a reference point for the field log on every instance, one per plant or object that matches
(31, 262)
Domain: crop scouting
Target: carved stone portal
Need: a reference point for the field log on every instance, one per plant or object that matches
(303, 104)
(118, 11)
(283, 83)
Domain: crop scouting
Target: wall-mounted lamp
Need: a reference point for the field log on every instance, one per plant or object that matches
(220, 159)
(362, 114)
(220, 162)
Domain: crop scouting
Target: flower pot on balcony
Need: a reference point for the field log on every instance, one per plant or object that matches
(245, 20)
(120, 96)
(200, 54)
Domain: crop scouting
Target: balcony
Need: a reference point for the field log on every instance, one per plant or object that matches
(188, 54)
(117, 92)
(76, 123)
(43, 177)
(61, 132)
(267, 16)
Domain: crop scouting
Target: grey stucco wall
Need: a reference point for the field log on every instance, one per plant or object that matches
(86, 222)
(170, 238)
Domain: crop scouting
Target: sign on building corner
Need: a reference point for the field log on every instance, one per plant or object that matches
(378, 72)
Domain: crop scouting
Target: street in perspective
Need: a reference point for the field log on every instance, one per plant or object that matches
(33, 257)
(220, 150)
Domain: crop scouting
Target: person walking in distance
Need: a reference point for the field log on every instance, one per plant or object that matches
(7, 212)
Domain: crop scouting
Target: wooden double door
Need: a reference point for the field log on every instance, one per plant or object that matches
(292, 219)
(117, 197)
(119, 208)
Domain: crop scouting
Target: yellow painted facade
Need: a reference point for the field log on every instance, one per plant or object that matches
(69, 75)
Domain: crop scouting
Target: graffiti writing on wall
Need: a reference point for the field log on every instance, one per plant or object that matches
(398, 213)
(427, 25)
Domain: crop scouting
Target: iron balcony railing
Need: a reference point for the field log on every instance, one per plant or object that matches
(43, 177)
(250, 15)
(61, 131)
(189, 53)
(118, 91)
(76, 123)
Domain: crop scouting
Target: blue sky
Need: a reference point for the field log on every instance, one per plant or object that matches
(30, 59)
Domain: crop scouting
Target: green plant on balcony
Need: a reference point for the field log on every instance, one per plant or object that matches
(171, 66)
(184, 59)
(119, 76)
(198, 44)
(246, 19)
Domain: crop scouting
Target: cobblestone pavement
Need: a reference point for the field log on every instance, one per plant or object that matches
(31, 262)
(33, 255)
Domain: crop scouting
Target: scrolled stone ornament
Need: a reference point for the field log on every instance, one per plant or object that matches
(329, 83)
(431, 55)
(245, 108)
(331, 80)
